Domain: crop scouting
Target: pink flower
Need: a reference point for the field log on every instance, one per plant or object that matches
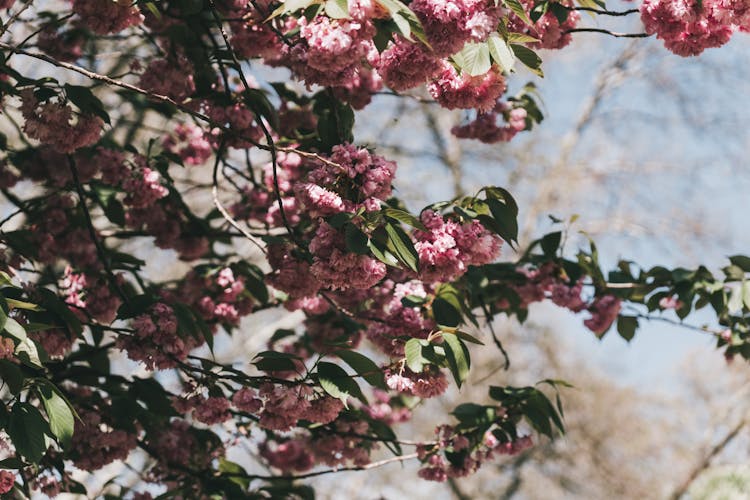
(687, 27)
(107, 16)
(454, 91)
(604, 311)
(50, 123)
(190, 143)
(404, 65)
(7, 480)
(213, 410)
(246, 399)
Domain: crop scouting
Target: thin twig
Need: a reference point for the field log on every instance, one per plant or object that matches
(92, 232)
(223, 211)
(607, 32)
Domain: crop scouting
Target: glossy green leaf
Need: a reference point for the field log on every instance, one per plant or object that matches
(337, 383)
(365, 367)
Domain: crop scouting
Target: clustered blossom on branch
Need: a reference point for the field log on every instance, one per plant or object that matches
(689, 27)
(179, 155)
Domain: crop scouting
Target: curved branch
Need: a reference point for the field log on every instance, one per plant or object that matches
(607, 32)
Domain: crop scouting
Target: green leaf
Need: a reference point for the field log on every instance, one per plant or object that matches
(28, 352)
(365, 367)
(272, 361)
(356, 240)
(11, 374)
(337, 9)
(114, 211)
(465, 336)
(501, 53)
(506, 219)
(741, 261)
(15, 330)
(400, 245)
(59, 412)
(734, 305)
(337, 383)
(406, 21)
(20, 304)
(474, 58)
(550, 243)
(27, 430)
(528, 57)
(86, 101)
(445, 313)
(458, 358)
(518, 10)
(626, 327)
(405, 217)
(414, 359)
(290, 6)
(521, 38)
(381, 253)
(235, 472)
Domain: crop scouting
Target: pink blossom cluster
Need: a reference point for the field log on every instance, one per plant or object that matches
(462, 91)
(395, 320)
(247, 400)
(405, 65)
(485, 128)
(358, 90)
(253, 38)
(44, 164)
(604, 311)
(291, 274)
(177, 448)
(56, 342)
(237, 117)
(387, 409)
(302, 453)
(332, 52)
(448, 247)
(429, 383)
(351, 178)
(148, 206)
(289, 456)
(218, 296)
(62, 45)
(551, 33)
(190, 143)
(50, 123)
(7, 478)
(212, 410)
(7, 348)
(155, 341)
(546, 282)
(171, 77)
(143, 187)
(449, 24)
(259, 202)
(57, 235)
(688, 27)
(97, 443)
(92, 294)
(337, 268)
(437, 468)
(284, 405)
(107, 16)
(343, 446)
(6, 4)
